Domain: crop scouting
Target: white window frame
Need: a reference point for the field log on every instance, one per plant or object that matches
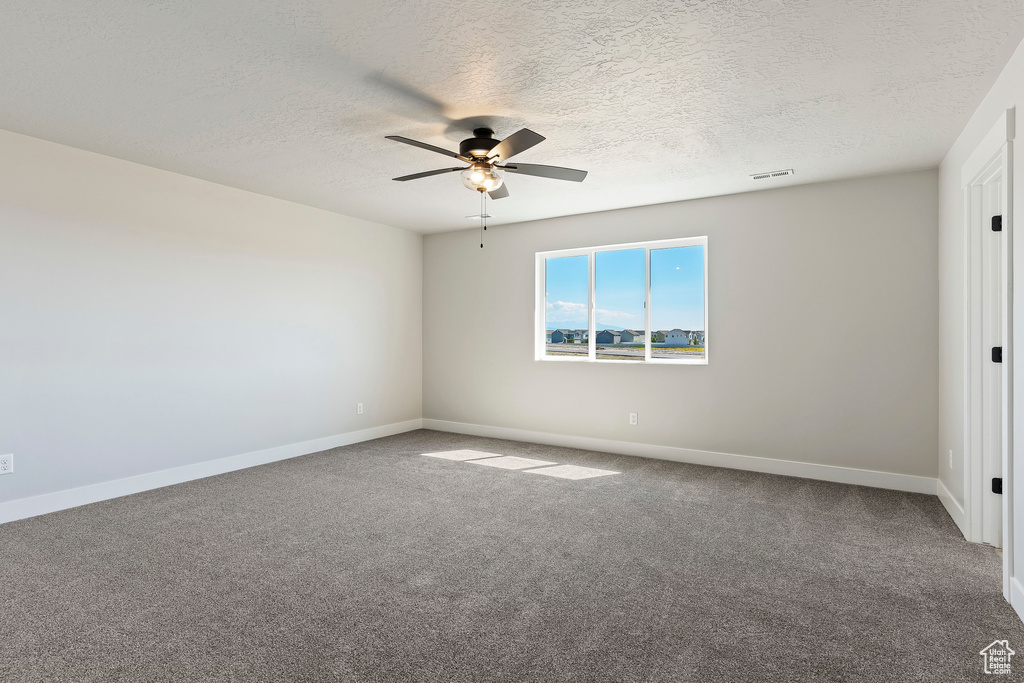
(540, 328)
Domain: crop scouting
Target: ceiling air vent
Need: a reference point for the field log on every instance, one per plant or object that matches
(772, 174)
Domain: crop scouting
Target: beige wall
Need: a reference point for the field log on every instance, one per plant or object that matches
(149, 320)
(1007, 92)
(823, 312)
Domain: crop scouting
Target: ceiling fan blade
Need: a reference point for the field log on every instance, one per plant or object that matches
(500, 193)
(423, 145)
(556, 172)
(439, 171)
(514, 144)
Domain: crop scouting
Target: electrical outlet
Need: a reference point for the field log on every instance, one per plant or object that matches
(950, 458)
(359, 409)
(6, 463)
(633, 420)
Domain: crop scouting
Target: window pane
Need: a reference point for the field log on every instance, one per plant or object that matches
(566, 297)
(677, 302)
(620, 304)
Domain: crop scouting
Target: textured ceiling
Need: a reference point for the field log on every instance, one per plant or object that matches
(659, 101)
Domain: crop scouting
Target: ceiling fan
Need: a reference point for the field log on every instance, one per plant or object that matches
(486, 156)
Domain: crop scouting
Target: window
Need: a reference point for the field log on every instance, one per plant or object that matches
(566, 304)
(627, 303)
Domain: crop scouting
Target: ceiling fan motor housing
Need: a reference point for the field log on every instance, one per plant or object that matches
(479, 145)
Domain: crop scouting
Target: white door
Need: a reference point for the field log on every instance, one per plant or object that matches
(989, 356)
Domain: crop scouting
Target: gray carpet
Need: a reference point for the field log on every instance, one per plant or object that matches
(373, 563)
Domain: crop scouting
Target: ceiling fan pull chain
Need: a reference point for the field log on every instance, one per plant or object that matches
(482, 228)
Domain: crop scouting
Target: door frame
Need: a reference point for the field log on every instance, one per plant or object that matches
(992, 159)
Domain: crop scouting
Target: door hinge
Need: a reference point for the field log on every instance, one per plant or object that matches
(997, 354)
(997, 485)
(997, 223)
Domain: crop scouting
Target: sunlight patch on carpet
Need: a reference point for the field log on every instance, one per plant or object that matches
(511, 462)
(461, 455)
(572, 472)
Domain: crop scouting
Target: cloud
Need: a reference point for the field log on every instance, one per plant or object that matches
(565, 310)
(605, 313)
(574, 311)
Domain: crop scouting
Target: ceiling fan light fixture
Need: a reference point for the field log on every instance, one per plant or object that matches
(482, 178)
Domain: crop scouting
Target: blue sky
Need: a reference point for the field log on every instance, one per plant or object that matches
(677, 289)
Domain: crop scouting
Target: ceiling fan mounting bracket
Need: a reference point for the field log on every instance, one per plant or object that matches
(479, 145)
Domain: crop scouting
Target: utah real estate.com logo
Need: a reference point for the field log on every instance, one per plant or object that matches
(997, 657)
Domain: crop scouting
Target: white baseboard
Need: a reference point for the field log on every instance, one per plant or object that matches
(83, 495)
(842, 475)
(955, 509)
(1017, 597)
(61, 500)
